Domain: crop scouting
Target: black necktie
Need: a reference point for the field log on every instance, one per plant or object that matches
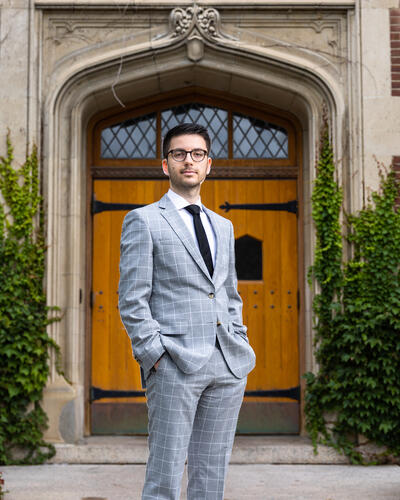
(201, 237)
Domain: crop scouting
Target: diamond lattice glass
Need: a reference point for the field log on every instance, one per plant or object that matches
(214, 119)
(254, 138)
(134, 138)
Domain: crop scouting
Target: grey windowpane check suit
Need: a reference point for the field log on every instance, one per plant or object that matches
(170, 305)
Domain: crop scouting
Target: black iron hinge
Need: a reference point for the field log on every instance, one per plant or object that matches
(291, 393)
(102, 206)
(289, 206)
(97, 393)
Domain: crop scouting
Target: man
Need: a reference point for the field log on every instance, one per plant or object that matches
(179, 303)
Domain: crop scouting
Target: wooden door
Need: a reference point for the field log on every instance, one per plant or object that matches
(263, 215)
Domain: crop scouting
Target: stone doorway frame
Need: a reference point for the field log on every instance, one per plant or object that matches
(80, 88)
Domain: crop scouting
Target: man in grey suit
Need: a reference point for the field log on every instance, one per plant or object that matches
(179, 303)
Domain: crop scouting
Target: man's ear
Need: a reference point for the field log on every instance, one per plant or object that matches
(165, 167)
(209, 161)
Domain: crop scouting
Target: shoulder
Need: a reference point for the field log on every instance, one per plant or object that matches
(145, 213)
(140, 223)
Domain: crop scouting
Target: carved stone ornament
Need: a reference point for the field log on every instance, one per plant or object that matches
(195, 48)
(206, 20)
(181, 21)
(196, 24)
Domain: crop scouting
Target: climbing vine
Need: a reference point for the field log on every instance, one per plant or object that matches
(355, 395)
(24, 316)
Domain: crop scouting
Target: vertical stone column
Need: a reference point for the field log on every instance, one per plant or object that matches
(17, 83)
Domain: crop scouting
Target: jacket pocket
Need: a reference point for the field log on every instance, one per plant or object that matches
(232, 332)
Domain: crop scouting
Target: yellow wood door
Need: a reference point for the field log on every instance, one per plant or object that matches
(258, 212)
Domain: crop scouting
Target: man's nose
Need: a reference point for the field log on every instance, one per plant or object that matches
(188, 157)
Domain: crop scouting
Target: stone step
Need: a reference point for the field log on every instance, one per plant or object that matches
(246, 450)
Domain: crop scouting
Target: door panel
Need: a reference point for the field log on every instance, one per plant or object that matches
(270, 306)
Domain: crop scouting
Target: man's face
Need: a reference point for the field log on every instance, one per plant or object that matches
(187, 174)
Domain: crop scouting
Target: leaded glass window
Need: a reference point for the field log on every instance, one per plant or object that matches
(255, 138)
(214, 119)
(133, 138)
(234, 135)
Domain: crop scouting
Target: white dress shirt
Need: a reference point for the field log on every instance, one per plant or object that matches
(180, 203)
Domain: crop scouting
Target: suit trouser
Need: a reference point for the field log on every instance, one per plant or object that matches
(191, 417)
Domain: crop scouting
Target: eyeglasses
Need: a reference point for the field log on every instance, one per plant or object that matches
(195, 154)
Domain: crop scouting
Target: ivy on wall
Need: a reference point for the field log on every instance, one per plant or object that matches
(356, 391)
(24, 316)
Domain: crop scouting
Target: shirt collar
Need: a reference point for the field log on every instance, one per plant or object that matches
(180, 202)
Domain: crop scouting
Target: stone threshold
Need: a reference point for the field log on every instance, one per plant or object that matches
(246, 450)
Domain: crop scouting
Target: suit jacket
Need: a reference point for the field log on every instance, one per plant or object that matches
(167, 299)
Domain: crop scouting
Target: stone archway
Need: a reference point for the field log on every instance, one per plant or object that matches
(196, 53)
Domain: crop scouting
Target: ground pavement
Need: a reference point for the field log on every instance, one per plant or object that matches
(244, 482)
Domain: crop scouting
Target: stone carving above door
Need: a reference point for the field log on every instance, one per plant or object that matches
(206, 21)
(196, 24)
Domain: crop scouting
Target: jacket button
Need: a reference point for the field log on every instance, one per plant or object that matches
(211, 295)
(219, 323)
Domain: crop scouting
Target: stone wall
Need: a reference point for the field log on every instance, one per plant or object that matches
(380, 110)
(19, 110)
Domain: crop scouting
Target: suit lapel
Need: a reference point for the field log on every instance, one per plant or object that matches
(171, 215)
(219, 243)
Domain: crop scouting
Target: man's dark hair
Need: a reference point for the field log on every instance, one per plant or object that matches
(185, 129)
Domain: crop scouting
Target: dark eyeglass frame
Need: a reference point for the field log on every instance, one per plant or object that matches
(173, 151)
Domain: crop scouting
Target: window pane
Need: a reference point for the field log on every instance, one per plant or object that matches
(134, 138)
(214, 119)
(254, 138)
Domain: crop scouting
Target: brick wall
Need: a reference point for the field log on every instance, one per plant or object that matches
(395, 59)
(395, 49)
